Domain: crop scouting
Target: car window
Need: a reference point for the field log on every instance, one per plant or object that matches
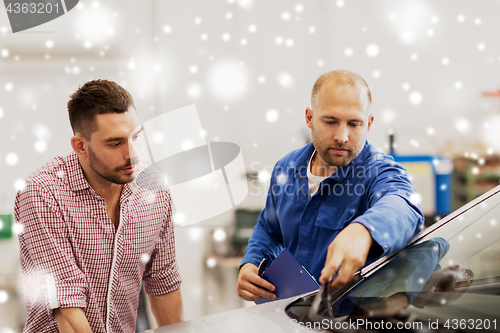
(457, 256)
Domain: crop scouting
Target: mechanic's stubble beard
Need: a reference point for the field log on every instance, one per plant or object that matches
(327, 155)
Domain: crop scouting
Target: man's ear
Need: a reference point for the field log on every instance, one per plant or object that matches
(370, 121)
(79, 144)
(309, 115)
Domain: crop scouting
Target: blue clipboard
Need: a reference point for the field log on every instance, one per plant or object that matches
(289, 277)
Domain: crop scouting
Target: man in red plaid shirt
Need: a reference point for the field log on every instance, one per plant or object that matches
(96, 224)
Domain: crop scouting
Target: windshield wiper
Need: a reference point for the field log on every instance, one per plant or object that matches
(324, 299)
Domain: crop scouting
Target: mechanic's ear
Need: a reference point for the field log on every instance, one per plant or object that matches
(309, 116)
(370, 121)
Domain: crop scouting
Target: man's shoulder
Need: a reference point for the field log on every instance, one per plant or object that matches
(372, 155)
(292, 157)
(377, 162)
(50, 173)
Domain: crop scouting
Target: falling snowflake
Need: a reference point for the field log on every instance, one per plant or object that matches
(167, 29)
(372, 50)
(462, 125)
(193, 69)
(285, 80)
(11, 159)
(416, 98)
(219, 235)
(211, 262)
(145, 258)
(272, 116)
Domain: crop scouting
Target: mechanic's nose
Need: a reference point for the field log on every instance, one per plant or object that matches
(342, 135)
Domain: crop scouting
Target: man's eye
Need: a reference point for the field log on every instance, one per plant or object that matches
(116, 144)
(355, 124)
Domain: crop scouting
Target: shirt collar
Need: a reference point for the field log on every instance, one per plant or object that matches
(310, 176)
(76, 178)
(300, 166)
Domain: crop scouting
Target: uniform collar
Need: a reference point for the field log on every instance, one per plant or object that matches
(300, 166)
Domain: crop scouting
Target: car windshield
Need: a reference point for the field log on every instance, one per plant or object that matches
(450, 265)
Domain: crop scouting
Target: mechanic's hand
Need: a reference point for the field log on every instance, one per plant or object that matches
(440, 288)
(349, 250)
(251, 286)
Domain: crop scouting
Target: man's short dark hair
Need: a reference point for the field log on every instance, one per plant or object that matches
(93, 98)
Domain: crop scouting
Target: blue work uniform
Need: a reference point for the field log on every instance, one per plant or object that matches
(372, 190)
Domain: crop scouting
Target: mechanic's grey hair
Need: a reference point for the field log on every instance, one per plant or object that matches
(340, 78)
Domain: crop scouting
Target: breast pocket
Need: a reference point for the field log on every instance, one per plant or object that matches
(335, 218)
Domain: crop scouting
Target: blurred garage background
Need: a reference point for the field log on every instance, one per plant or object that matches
(249, 66)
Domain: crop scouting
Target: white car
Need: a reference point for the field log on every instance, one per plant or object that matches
(446, 280)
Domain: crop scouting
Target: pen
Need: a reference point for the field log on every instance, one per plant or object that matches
(262, 266)
(334, 275)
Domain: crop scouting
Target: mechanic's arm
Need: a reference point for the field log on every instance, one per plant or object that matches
(392, 220)
(262, 243)
(167, 308)
(266, 242)
(71, 320)
(250, 285)
(348, 250)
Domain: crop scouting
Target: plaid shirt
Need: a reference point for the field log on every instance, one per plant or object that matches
(73, 256)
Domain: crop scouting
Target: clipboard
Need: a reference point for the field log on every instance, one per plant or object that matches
(289, 277)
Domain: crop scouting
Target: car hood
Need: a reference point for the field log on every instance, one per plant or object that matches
(266, 318)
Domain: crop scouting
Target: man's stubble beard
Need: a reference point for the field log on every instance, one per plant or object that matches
(104, 171)
(327, 157)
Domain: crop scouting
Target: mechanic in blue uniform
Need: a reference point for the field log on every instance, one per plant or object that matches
(338, 201)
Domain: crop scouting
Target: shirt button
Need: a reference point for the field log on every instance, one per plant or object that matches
(372, 228)
(301, 177)
(386, 247)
